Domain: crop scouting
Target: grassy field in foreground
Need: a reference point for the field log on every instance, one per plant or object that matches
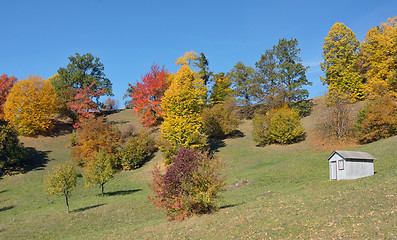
(274, 192)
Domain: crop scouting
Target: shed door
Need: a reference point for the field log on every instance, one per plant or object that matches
(332, 170)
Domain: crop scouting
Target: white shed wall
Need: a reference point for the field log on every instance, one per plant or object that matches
(358, 169)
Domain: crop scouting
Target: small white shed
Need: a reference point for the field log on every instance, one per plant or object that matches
(350, 165)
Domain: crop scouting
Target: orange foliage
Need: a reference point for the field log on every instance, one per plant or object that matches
(93, 135)
(6, 84)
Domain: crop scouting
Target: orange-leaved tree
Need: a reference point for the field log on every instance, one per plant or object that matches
(146, 95)
(31, 105)
(84, 104)
(94, 135)
(6, 84)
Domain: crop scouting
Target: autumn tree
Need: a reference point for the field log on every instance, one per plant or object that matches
(83, 71)
(221, 89)
(111, 104)
(280, 125)
(94, 135)
(242, 77)
(187, 59)
(379, 61)
(281, 73)
(340, 54)
(338, 118)
(99, 170)
(182, 105)
(146, 95)
(83, 103)
(30, 105)
(191, 185)
(378, 119)
(6, 83)
(61, 181)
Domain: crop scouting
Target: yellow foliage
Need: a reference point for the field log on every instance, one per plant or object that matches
(340, 53)
(182, 105)
(30, 105)
(379, 52)
(187, 58)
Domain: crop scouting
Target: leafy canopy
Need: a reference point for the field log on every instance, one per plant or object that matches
(146, 95)
(6, 83)
(30, 105)
(340, 54)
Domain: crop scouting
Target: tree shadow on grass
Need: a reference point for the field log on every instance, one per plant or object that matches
(3, 191)
(121, 192)
(231, 205)
(60, 128)
(34, 160)
(6, 208)
(87, 208)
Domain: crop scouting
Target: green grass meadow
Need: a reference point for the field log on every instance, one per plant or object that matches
(273, 192)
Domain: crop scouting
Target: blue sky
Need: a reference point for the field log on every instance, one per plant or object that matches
(129, 36)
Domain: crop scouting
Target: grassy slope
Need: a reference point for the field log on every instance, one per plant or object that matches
(288, 196)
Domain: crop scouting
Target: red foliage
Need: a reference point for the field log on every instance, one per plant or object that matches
(83, 104)
(6, 84)
(146, 96)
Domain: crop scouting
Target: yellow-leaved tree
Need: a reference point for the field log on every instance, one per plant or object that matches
(379, 51)
(31, 105)
(182, 105)
(340, 54)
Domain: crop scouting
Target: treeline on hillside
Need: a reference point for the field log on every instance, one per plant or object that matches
(194, 106)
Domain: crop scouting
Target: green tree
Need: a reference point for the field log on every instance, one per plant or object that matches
(202, 64)
(82, 71)
(242, 82)
(221, 89)
(281, 73)
(340, 54)
(182, 104)
(11, 150)
(61, 181)
(99, 170)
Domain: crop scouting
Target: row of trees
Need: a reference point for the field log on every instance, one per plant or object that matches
(357, 71)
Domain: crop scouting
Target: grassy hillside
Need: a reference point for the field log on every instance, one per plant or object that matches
(273, 192)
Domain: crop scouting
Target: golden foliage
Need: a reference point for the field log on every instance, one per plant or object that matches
(30, 105)
(340, 53)
(379, 51)
(182, 105)
(187, 59)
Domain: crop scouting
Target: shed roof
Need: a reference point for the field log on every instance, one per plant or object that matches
(352, 155)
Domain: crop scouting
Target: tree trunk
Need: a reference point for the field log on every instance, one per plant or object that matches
(102, 189)
(67, 203)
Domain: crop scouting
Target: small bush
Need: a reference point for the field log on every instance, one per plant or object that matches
(278, 126)
(137, 151)
(191, 185)
(219, 121)
(11, 150)
(304, 107)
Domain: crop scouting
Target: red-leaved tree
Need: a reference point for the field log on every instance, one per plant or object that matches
(146, 95)
(83, 104)
(6, 84)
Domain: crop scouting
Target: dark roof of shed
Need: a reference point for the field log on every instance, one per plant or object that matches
(353, 155)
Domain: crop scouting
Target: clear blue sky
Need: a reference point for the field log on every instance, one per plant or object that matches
(37, 37)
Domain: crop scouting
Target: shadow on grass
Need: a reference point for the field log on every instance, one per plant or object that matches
(6, 208)
(121, 192)
(87, 208)
(3, 191)
(34, 160)
(60, 128)
(216, 144)
(231, 205)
